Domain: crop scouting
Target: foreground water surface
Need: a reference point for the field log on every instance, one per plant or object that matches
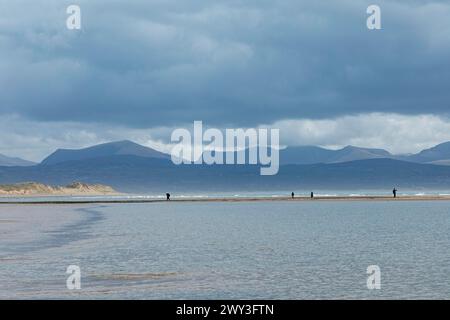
(254, 250)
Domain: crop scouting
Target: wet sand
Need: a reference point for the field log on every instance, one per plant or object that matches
(241, 199)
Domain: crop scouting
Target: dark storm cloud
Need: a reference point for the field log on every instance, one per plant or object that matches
(147, 63)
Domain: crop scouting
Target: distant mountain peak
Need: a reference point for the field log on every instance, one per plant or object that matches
(122, 143)
(311, 154)
(435, 154)
(351, 147)
(444, 145)
(115, 148)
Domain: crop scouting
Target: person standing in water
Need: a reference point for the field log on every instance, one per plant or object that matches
(312, 195)
(394, 192)
(292, 195)
(168, 196)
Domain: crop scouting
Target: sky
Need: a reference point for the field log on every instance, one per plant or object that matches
(139, 69)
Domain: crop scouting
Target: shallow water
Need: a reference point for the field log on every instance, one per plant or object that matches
(226, 195)
(262, 250)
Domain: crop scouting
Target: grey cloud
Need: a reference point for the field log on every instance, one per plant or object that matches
(162, 63)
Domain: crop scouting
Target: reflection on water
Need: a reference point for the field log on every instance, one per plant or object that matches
(280, 250)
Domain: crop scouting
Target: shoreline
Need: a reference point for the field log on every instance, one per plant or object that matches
(243, 199)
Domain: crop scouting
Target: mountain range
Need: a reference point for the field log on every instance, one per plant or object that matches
(313, 154)
(439, 154)
(130, 167)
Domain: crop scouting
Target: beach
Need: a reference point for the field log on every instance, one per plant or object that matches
(105, 200)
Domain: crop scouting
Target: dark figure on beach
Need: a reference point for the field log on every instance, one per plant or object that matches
(292, 194)
(312, 194)
(394, 192)
(168, 196)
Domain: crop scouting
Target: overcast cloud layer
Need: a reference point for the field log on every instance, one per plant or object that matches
(139, 66)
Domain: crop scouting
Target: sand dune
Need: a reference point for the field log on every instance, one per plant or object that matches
(34, 189)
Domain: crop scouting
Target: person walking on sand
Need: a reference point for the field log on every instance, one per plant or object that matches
(168, 196)
(292, 195)
(312, 195)
(394, 192)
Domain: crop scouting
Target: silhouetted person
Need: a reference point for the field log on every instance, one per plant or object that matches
(292, 194)
(312, 194)
(168, 196)
(394, 192)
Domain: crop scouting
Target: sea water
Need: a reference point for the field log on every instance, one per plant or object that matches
(215, 250)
